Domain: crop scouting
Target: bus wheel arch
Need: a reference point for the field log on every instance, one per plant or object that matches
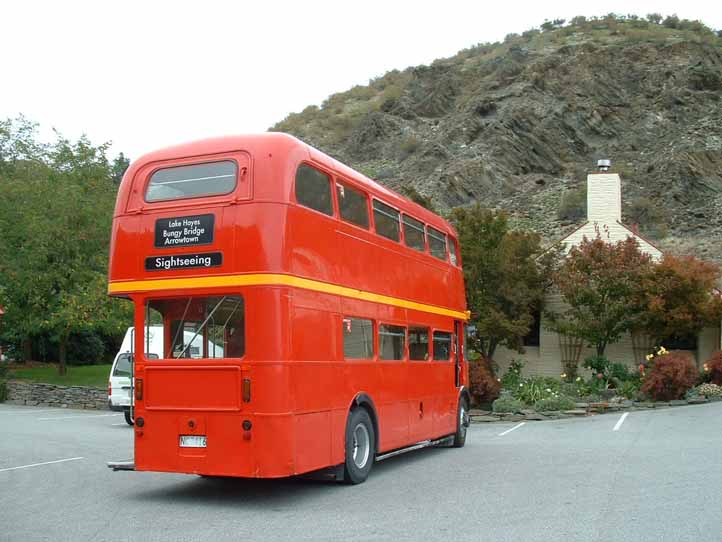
(362, 400)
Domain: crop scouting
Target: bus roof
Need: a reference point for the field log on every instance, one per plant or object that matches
(280, 143)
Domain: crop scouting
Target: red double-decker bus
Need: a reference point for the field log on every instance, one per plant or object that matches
(309, 317)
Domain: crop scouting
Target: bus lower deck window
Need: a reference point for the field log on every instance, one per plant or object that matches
(358, 338)
(392, 341)
(418, 343)
(198, 327)
(442, 345)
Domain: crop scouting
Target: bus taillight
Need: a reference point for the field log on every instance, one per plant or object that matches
(138, 389)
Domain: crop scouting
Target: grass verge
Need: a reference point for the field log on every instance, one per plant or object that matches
(95, 376)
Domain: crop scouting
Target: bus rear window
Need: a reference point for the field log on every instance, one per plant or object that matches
(209, 179)
(199, 327)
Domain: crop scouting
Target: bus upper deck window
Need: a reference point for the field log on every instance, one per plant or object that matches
(352, 205)
(452, 252)
(437, 243)
(313, 189)
(414, 234)
(387, 220)
(209, 179)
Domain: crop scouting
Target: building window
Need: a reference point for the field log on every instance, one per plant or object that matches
(437, 243)
(418, 343)
(387, 221)
(685, 342)
(442, 345)
(392, 341)
(352, 205)
(533, 338)
(313, 189)
(209, 179)
(358, 338)
(414, 234)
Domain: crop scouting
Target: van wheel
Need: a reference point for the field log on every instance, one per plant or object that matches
(128, 418)
(462, 423)
(360, 446)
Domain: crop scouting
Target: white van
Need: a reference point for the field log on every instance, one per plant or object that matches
(121, 370)
(119, 384)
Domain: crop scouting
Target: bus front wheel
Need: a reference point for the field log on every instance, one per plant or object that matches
(360, 446)
(128, 418)
(462, 423)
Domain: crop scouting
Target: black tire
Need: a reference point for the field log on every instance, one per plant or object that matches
(128, 419)
(360, 446)
(462, 423)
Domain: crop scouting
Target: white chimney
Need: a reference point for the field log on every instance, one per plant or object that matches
(604, 195)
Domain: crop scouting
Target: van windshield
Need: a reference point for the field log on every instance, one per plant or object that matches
(122, 366)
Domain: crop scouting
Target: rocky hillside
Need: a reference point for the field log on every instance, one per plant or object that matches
(517, 125)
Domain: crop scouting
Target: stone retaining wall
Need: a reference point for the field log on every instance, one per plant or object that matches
(50, 395)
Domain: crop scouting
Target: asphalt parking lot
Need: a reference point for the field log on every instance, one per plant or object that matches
(656, 477)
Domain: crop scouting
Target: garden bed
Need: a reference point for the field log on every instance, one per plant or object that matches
(582, 409)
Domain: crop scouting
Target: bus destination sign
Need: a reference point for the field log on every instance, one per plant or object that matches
(183, 261)
(184, 231)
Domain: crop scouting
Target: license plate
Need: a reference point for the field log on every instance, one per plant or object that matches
(192, 441)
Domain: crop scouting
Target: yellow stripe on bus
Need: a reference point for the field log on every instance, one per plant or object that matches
(272, 279)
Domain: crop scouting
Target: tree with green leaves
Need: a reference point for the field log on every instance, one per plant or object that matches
(55, 216)
(506, 272)
(600, 283)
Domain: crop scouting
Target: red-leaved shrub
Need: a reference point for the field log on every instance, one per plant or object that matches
(713, 368)
(670, 377)
(483, 385)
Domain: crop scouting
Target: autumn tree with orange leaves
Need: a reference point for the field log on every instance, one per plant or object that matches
(679, 298)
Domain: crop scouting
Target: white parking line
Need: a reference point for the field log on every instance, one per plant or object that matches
(25, 411)
(517, 426)
(119, 423)
(76, 417)
(43, 463)
(621, 421)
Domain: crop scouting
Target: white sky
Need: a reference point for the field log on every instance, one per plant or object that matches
(149, 74)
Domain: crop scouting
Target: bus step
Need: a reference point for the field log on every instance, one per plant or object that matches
(418, 446)
(121, 465)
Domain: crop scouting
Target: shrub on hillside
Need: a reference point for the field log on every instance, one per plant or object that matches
(483, 385)
(713, 369)
(670, 377)
(573, 206)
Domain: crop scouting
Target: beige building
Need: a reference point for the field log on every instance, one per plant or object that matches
(545, 349)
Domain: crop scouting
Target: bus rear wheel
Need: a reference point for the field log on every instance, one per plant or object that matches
(360, 446)
(462, 423)
(128, 418)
